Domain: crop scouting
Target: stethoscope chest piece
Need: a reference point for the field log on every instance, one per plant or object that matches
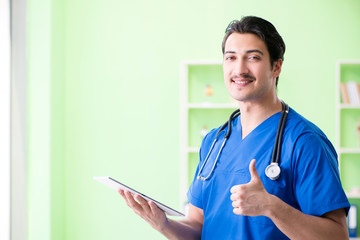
(273, 171)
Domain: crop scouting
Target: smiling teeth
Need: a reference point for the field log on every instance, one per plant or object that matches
(241, 82)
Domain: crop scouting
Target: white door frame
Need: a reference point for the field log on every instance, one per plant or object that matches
(5, 119)
(18, 118)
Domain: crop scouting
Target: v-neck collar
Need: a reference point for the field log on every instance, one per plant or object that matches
(258, 129)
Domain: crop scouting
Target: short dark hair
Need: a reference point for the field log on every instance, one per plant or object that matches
(264, 30)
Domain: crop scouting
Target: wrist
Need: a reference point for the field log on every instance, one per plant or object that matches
(274, 204)
(163, 226)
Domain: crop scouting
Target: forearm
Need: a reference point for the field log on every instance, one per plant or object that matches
(297, 225)
(181, 229)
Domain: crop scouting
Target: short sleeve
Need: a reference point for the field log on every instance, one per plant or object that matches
(317, 184)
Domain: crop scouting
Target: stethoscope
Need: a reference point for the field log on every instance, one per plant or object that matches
(273, 170)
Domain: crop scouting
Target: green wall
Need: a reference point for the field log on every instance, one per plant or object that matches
(108, 76)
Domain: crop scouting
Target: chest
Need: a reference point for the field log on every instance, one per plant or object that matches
(232, 166)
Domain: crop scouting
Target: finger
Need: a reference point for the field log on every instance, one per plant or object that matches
(121, 192)
(235, 204)
(235, 189)
(254, 174)
(154, 208)
(123, 195)
(238, 211)
(131, 201)
(141, 201)
(234, 197)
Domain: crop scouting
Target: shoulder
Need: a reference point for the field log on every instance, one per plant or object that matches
(301, 129)
(306, 138)
(300, 124)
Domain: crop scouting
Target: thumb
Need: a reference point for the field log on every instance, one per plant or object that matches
(253, 173)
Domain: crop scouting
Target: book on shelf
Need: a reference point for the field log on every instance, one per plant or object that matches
(344, 93)
(350, 93)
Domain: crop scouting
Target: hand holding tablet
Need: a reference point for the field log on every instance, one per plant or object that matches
(116, 185)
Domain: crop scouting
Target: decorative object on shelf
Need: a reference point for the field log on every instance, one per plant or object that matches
(204, 131)
(208, 90)
(358, 130)
(355, 191)
(344, 93)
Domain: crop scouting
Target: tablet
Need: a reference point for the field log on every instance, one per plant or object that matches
(114, 184)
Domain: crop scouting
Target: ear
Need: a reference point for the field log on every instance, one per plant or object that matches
(277, 68)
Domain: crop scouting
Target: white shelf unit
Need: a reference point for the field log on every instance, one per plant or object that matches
(186, 106)
(340, 107)
(343, 109)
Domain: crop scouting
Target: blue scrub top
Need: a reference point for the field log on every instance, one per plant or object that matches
(309, 179)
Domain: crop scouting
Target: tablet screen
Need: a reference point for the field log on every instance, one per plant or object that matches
(114, 184)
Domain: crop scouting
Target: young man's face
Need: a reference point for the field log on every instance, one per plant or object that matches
(248, 74)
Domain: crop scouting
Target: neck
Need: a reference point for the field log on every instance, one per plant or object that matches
(254, 113)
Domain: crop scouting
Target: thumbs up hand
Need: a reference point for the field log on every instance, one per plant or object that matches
(250, 199)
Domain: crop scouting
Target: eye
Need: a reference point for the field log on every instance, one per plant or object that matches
(228, 58)
(254, 58)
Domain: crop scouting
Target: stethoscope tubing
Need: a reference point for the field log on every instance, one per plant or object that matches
(275, 158)
(279, 134)
(206, 159)
(235, 114)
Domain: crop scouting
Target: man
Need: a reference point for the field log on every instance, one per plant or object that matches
(237, 200)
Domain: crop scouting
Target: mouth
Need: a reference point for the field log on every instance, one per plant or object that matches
(242, 79)
(242, 82)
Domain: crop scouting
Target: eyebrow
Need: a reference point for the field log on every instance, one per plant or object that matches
(255, 50)
(232, 52)
(247, 52)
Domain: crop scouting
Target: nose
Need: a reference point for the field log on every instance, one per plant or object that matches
(240, 67)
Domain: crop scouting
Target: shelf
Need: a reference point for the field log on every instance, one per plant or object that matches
(193, 149)
(211, 105)
(349, 106)
(348, 62)
(201, 62)
(352, 195)
(349, 150)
